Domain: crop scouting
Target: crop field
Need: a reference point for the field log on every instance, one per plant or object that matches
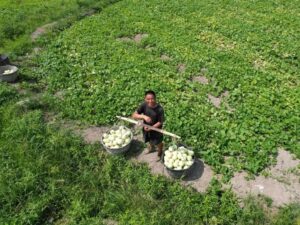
(226, 73)
(19, 18)
(260, 72)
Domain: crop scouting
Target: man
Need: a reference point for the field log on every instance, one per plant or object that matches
(153, 114)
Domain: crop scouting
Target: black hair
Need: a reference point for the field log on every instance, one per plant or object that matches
(150, 92)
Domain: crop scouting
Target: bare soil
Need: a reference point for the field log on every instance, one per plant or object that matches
(93, 134)
(165, 58)
(216, 101)
(137, 38)
(42, 30)
(282, 185)
(199, 178)
(181, 68)
(201, 79)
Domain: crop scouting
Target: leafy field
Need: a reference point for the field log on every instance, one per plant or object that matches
(18, 19)
(50, 176)
(247, 48)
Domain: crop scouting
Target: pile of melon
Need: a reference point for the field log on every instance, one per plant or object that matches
(6, 72)
(178, 158)
(117, 138)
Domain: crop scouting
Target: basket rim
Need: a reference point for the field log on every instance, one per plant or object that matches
(183, 170)
(14, 68)
(115, 149)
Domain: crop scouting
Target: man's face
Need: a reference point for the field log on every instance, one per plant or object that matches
(150, 100)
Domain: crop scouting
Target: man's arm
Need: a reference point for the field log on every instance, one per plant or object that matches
(138, 113)
(157, 125)
(138, 116)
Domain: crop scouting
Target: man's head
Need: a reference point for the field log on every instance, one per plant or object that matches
(150, 98)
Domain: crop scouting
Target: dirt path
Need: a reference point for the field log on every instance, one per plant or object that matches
(282, 184)
(42, 30)
(199, 178)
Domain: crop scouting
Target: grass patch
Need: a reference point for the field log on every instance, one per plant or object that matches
(50, 176)
(18, 19)
(6, 93)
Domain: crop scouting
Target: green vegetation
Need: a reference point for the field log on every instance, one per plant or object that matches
(103, 76)
(20, 18)
(45, 174)
(50, 176)
(6, 93)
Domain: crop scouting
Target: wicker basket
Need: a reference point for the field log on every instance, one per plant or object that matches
(179, 173)
(116, 151)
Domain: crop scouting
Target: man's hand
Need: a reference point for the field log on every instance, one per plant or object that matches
(147, 119)
(147, 129)
(140, 123)
(138, 116)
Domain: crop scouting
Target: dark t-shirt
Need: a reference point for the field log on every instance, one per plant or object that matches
(156, 114)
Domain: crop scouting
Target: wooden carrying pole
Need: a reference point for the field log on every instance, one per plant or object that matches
(146, 125)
